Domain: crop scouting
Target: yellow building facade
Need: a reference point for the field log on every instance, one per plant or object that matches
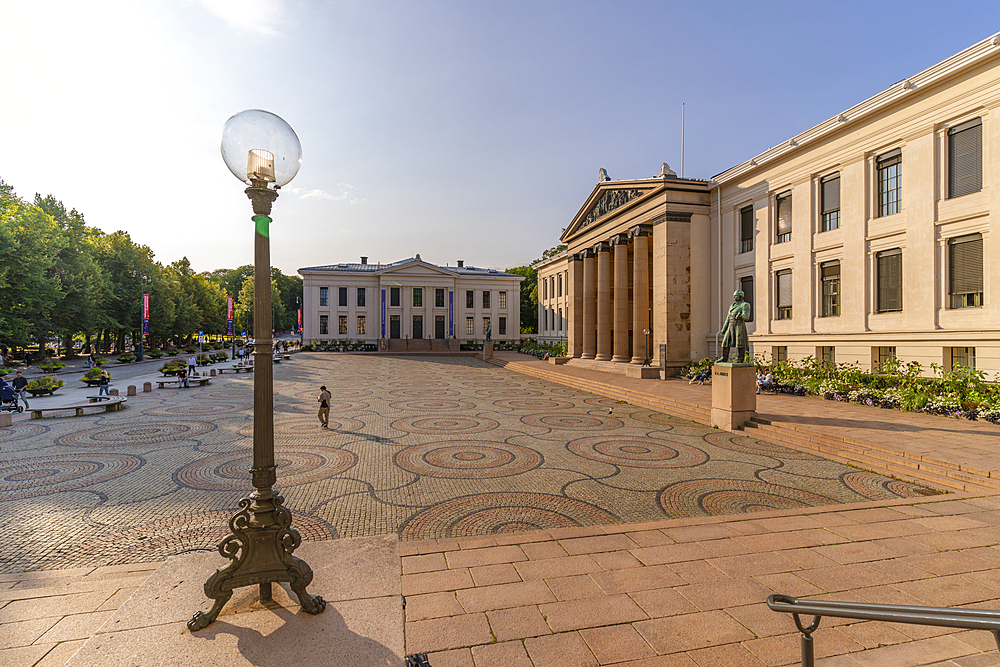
(869, 236)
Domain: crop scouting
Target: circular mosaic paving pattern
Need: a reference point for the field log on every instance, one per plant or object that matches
(21, 431)
(430, 406)
(508, 391)
(445, 424)
(746, 445)
(638, 452)
(490, 513)
(155, 541)
(28, 478)
(340, 392)
(468, 460)
(196, 409)
(572, 422)
(533, 404)
(300, 428)
(712, 497)
(649, 417)
(877, 487)
(420, 383)
(137, 433)
(606, 402)
(230, 472)
(422, 393)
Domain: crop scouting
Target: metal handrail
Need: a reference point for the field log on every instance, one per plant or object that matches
(968, 619)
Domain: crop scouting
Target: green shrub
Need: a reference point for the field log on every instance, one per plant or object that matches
(51, 366)
(45, 382)
(92, 374)
(155, 354)
(126, 358)
(5, 371)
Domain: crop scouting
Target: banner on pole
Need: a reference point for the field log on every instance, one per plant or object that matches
(229, 315)
(145, 314)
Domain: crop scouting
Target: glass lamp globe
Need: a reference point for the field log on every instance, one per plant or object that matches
(260, 146)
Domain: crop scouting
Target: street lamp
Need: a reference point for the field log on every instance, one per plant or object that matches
(646, 361)
(260, 148)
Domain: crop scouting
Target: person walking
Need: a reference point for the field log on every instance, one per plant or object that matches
(324, 407)
(192, 362)
(104, 385)
(19, 385)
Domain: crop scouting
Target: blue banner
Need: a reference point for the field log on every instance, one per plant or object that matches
(145, 326)
(229, 327)
(383, 313)
(451, 314)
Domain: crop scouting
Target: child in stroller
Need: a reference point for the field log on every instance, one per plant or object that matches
(8, 398)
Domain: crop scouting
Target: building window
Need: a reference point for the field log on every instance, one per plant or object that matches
(470, 326)
(830, 276)
(393, 296)
(486, 298)
(746, 286)
(470, 299)
(779, 353)
(418, 326)
(830, 205)
(965, 271)
(559, 284)
(784, 300)
(890, 281)
(324, 324)
(883, 356)
(361, 325)
(324, 296)
(361, 297)
(784, 206)
(963, 356)
(502, 326)
(890, 182)
(746, 228)
(559, 319)
(418, 297)
(827, 354)
(502, 300)
(439, 297)
(486, 325)
(342, 296)
(342, 325)
(545, 289)
(965, 158)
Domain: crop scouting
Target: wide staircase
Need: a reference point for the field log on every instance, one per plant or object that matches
(417, 345)
(887, 460)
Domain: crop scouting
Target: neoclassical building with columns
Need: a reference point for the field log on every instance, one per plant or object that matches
(867, 237)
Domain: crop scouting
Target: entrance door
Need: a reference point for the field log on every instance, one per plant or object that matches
(439, 326)
(394, 326)
(418, 327)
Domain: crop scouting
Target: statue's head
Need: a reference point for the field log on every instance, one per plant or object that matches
(738, 295)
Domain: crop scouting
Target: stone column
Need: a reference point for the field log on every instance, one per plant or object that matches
(574, 306)
(640, 287)
(620, 243)
(603, 250)
(589, 305)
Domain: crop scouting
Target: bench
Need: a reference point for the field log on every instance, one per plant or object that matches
(112, 404)
(162, 384)
(236, 369)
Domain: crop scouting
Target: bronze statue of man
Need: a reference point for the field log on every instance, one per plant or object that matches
(734, 330)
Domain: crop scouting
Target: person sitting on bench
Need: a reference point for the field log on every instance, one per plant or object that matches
(764, 380)
(702, 376)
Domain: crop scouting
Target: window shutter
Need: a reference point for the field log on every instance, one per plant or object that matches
(831, 193)
(785, 214)
(965, 158)
(890, 280)
(746, 223)
(784, 289)
(830, 270)
(966, 264)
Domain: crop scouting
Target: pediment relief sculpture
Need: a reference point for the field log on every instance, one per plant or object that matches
(611, 200)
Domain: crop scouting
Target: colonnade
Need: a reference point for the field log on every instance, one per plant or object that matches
(606, 311)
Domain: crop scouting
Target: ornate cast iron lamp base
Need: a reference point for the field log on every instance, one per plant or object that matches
(260, 546)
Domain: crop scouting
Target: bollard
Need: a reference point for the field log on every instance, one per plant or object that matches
(113, 392)
(147, 387)
(6, 419)
(212, 373)
(130, 391)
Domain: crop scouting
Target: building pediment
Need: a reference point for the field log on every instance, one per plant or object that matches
(415, 267)
(606, 200)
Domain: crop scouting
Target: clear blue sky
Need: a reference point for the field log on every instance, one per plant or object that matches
(457, 130)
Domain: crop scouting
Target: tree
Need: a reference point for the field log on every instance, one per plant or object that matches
(244, 304)
(529, 297)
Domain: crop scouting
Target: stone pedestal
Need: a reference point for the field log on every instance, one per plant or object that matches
(212, 372)
(643, 372)
(488, 350)
(130, 390)
(6, 419)
(113, 392)
(147, 387)
(734, 394)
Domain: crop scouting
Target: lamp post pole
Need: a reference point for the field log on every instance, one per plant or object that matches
(262, 540)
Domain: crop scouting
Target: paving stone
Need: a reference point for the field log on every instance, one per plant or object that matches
(432, 605)
(505, 654)
(517, 623)
(503, 596)
(563, 650)
(439, 634)
(489, 575)
(591, 612)
(616, 643)
(673, 634)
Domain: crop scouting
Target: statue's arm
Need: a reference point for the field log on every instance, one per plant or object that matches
(744, 313)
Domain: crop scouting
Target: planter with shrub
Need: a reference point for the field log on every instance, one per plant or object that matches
(92, 378)
(173, 367)
(45, 385)
(126, 358)
(51, 366)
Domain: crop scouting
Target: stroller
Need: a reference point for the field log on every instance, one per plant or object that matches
(8, 400)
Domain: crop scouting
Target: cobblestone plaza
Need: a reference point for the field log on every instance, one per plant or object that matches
(423, 447)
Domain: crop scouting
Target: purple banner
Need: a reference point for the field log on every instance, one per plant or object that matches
(145, 326)
(383, 313)
(451, 314)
